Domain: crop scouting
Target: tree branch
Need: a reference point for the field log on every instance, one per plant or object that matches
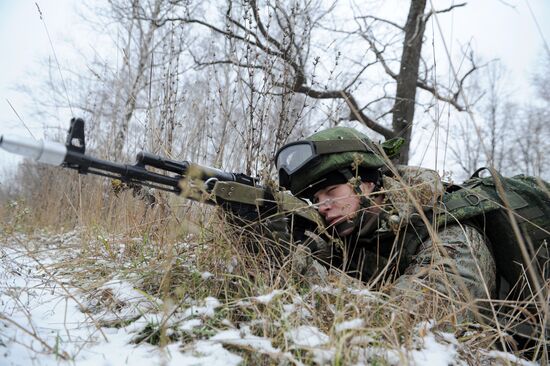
(433, 90)
(358, 75)
(381, 20)
(379, 56)
(357, 115)
(432, 12)
(261, 27)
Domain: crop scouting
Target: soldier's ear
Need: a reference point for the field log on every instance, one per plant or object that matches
(367, 187)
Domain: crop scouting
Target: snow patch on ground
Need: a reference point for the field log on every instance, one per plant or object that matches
(267, 298)
(307, 336)
(47, 319)
(434, 353)
(505, 358)
(350, 324)
(209, 308)
(244, 337)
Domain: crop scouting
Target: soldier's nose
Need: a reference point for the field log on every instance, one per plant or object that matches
(324, 206)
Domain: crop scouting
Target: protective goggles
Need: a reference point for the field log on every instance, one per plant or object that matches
(296, 155)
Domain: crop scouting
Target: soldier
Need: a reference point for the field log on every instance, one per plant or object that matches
(378, 217)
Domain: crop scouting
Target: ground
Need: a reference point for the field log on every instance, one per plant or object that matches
(61, 305)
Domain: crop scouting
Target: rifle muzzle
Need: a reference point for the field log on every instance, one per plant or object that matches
(47, 152)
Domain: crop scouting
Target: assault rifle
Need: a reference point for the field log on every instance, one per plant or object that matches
(237, 192)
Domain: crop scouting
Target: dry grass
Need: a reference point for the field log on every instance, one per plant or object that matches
(184, 255)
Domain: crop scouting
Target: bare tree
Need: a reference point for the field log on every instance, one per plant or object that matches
(139, 37)
(119, 85)
(465, 148)
(279, 42)
(529, 155)
(499, 113)
(486, 140)
(506, 134)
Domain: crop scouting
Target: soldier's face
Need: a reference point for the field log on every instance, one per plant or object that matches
(339, 203)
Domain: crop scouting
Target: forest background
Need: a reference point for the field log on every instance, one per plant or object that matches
(152, 84)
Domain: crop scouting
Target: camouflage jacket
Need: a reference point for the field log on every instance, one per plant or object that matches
(416, 259)
(405, 254)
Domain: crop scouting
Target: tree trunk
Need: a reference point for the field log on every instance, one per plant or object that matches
(145, 48)
(405, 95)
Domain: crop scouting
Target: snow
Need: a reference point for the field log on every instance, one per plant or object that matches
(359, 292)
(190, 324)
(267, 298)
(129, 302)
(47, 319)
(350, 324)
(323, 356)
(433, 353)
(307, 336)
(204, 353)
(507, 357)
(209, 309)
(244, 337)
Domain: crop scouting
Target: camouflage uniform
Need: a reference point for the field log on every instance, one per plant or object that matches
(456, 257)
(458, 260)
(404, 248)
(454, 261)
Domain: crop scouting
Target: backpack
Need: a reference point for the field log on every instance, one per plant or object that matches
(514, 213)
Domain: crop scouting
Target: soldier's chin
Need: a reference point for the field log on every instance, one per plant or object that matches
(345, 228)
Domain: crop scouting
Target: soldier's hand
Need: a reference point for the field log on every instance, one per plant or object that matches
(305, 267)
(319, 247)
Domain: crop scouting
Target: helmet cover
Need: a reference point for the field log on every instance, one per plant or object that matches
(324, 169)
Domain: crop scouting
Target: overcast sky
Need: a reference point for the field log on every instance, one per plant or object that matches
(498, 31)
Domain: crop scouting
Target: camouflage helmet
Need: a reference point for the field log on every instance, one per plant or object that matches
(333, 151)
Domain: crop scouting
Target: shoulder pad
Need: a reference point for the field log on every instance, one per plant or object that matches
(413, 188)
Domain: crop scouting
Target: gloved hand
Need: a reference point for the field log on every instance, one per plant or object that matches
(321, 249)
(276, 236)
(305, 267)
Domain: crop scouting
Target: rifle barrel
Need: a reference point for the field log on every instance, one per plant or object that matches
(55, 153)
